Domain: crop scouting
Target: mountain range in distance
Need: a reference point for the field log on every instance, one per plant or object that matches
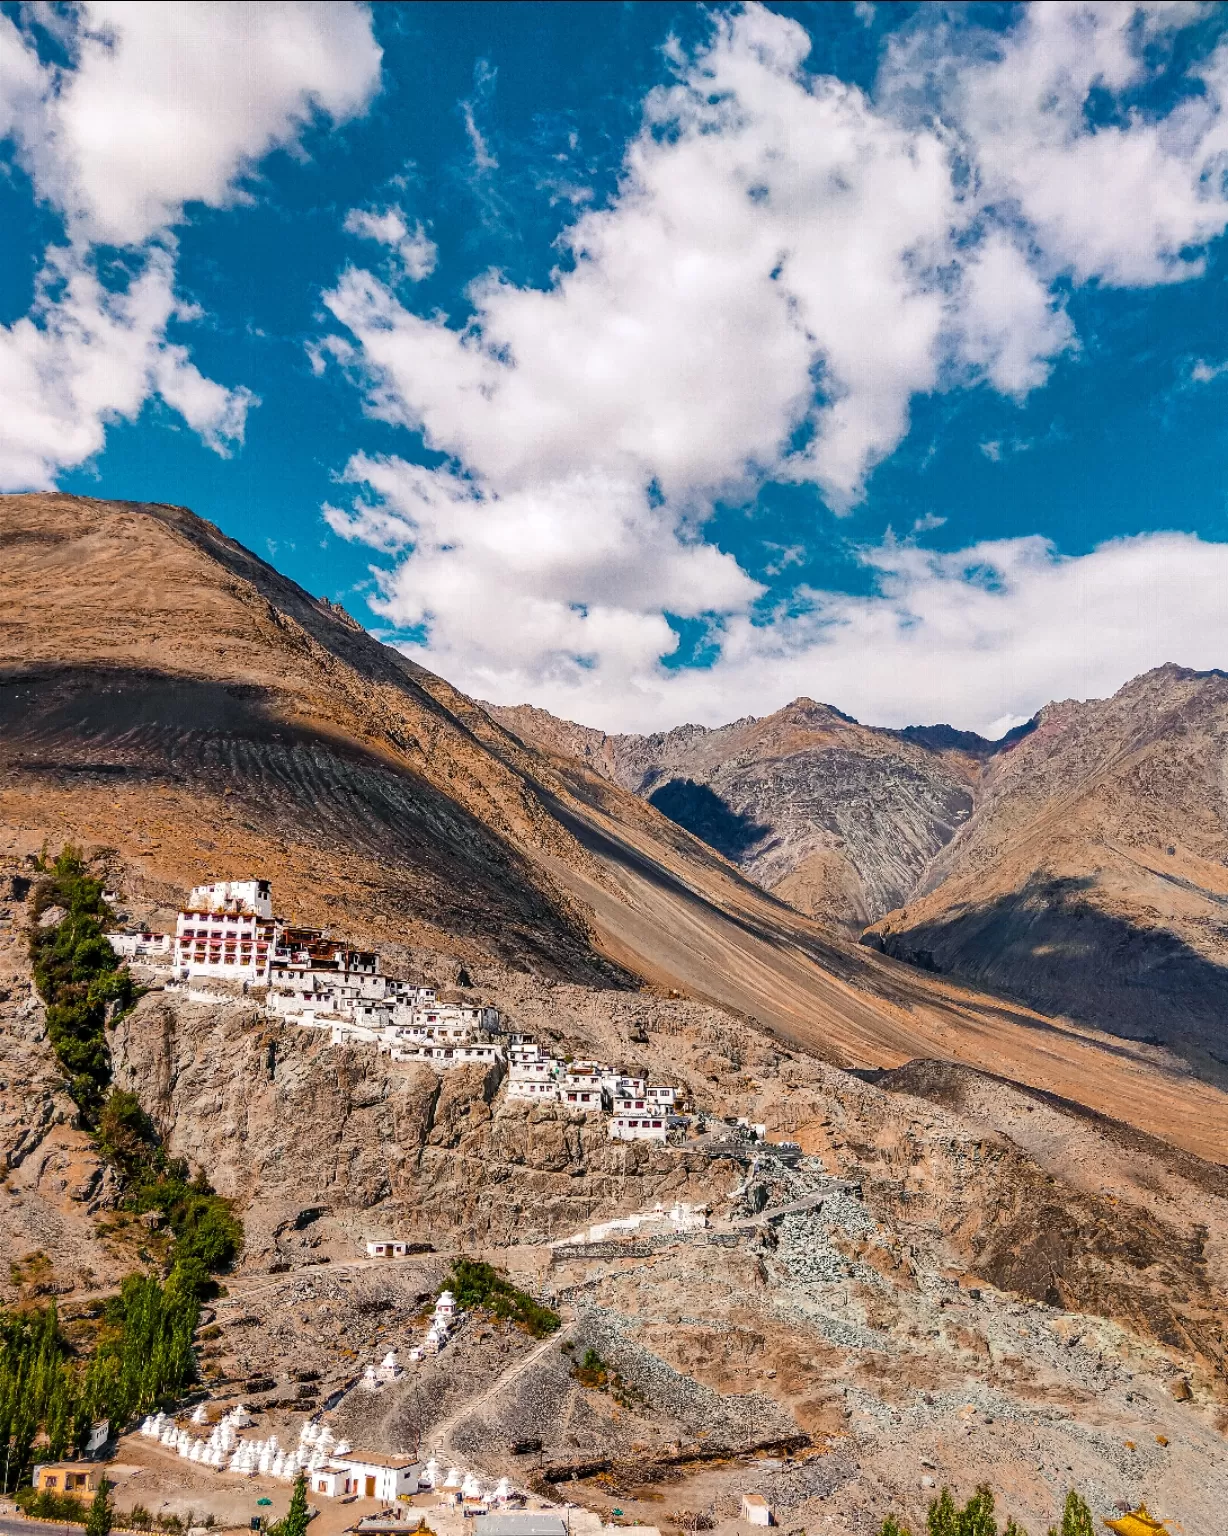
(1079, 864)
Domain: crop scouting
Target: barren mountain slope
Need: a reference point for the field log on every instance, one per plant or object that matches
(838, 819)
(167, 694)
(1093, 877)
(1020, 1290)
(164, 691)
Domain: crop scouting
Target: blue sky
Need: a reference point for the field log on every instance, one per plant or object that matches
(650, 363)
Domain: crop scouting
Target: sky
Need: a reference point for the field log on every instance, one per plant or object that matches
(650, 363)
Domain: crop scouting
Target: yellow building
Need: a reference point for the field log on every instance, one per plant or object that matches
(1138, 1523)
(66, 1477)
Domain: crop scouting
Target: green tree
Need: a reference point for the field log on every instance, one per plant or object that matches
(976, 1517)
(892, 1527)
(943, 1517)
(1076, 1518)
(297, 1516)
(98, 1521)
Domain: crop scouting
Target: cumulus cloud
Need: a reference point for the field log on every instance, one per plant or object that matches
(786, 263)
(1131, 200)
(979, 638)
(166, 104)
(158, 106)
(87, 355)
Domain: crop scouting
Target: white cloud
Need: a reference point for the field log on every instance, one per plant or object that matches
(1130, 200)
(413, 248)
(167, 104)
(87, 355)
(786, 263)
(978, 638)
(159, 106)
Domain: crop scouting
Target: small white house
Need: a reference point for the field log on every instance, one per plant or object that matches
(756, 1510)
(663, 1095)
(388, 1249)
(370, 1475)
(641, 1127)
(141, 946)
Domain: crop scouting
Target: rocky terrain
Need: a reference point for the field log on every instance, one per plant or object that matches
(166, 694)
(1093, 877)
(1009, 1285)
(836, 818)
(1022, 1272)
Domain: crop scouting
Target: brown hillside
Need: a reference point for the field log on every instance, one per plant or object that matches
(839, 819)
(1093, 876)
(168, 694)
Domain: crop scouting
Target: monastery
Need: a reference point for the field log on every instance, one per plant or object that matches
(228, 932)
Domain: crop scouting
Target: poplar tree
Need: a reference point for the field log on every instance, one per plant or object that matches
(98, 1520)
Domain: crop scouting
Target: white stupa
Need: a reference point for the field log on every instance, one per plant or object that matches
(199, 1416)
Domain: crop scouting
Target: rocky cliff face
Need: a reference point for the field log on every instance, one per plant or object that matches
(286, 1123)
(1078, 865)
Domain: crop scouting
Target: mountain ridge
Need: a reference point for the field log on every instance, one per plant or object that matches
(166, 693)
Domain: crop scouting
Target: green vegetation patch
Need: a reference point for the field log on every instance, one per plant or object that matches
(79, 977)
(481, 1285)
(976, 1518)
(141, 1354)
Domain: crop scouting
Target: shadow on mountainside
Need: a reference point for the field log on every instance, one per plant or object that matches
(1050, 947)
(192, 760)
(699, 809)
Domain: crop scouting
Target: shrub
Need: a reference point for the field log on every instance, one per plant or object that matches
(481, 1285)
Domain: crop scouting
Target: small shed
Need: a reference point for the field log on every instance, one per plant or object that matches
(756, 1510)
(67, 1477)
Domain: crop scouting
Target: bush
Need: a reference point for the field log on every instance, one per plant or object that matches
(79, 978)
(481, 1285)
(46, 1504)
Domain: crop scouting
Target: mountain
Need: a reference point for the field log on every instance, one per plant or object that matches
(1079, 865)
(166, 693)
(839, 819)
(1092, 877)
(1006, 1247)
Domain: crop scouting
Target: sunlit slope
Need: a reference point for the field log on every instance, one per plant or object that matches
(166, 693)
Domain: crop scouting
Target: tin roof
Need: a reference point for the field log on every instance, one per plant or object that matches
(533, 1523)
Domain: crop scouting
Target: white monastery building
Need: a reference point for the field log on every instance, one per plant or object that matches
(228, 932)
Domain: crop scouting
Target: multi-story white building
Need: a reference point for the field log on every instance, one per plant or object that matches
(534, 1080)
(580, 1087)
(661, 1095)
(227, 930)
(456, 1021)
